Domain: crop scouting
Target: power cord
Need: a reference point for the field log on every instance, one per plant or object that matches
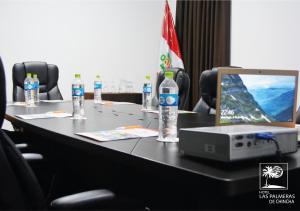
(270, 137)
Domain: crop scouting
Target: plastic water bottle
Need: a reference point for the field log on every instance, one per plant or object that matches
(78, 97)
(97, 90)
(36, 88)
(168, 109)
(147, 93)
(29, 90)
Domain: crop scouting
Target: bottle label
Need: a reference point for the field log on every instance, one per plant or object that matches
(35, 85)
(168, 100)
(29, 86)
(147, 89)
(98, 86)
(78, 92)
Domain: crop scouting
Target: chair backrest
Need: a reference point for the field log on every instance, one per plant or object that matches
(47, 75)
(19, 188)
(183, 81)
(2, 93)
(208, 89)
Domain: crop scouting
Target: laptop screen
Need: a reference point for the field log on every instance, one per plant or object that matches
(257, 98)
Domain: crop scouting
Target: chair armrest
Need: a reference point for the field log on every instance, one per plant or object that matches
(21, 146)
(93, 199)
(32, 157)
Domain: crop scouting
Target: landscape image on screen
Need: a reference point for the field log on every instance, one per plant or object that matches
(256, 98)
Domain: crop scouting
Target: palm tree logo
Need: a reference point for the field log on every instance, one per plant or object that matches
(272, 172)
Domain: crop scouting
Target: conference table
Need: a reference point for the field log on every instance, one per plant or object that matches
(215, 178)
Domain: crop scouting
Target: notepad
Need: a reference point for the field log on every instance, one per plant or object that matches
(50, 114)
(120, 134)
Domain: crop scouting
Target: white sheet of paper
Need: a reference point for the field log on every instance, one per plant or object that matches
(142, 132)
(156, 111)
(53, 101)
(16, 104)
(47, 115)
(108, 135)
(115, 103)
(119, 134)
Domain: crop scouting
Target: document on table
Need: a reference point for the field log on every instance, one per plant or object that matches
(16, 104)
(156, 111)
(45, 101)
(53, 101)
(120, 134)
(115, 103)
(51, 114)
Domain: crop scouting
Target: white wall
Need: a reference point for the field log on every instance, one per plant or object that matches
(266, 34)
(117, 38)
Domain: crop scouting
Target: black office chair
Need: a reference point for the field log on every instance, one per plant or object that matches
(19, 186)
(183, 81)
(208, 88)
(18, 136)
(47, 75)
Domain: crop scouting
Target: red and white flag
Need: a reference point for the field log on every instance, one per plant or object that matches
(170, 55)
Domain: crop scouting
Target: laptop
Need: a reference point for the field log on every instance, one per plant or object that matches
(256, 96)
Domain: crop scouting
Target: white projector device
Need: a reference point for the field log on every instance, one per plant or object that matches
(237, 142)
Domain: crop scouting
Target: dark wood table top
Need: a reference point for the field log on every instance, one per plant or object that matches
(118, 96)
(232, 179)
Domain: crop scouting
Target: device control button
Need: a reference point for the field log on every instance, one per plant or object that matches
(239, 137)
(239, 144)
(249, 144)
(250, 136)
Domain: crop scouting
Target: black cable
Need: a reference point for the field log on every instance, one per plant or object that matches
(278, 151)
(270, 137)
